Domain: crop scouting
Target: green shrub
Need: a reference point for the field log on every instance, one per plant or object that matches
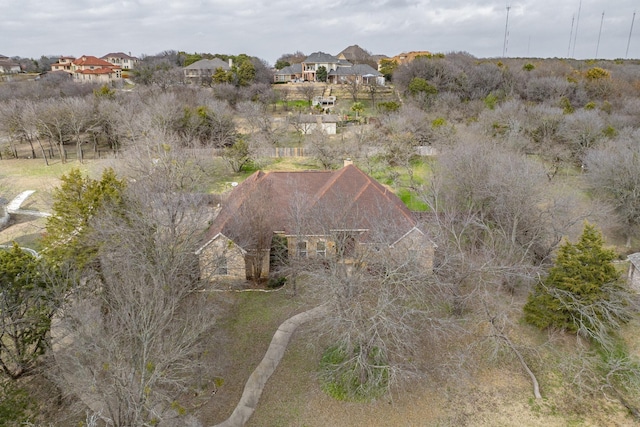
(276, 282)
(490, 101)
(388, 106)
(354, 375)
(14, 403)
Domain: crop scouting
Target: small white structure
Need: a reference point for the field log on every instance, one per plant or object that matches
(324, 101)
(328, 123)
(634, 271)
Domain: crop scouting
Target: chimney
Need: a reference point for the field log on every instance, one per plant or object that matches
(348, 161)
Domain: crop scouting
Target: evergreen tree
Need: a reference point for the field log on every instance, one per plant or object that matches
(76, 201)
(321, 74)
(25, 312)
(582, 292)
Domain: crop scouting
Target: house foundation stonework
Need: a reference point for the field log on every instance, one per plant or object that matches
(276, 216)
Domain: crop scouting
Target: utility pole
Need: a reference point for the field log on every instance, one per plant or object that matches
(599, 33)
(506, 34)
(630, 31)
(575, 37)
(573, 18)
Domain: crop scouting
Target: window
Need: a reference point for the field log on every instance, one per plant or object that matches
(221, 266)
(302, 249)
(321, 249)
(345, 245)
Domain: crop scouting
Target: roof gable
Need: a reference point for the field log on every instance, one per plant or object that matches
(208, 64)
(120, 55)
(321, 58)
(354, 53)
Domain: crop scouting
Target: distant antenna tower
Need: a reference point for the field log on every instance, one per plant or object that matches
(506, 34)
(575, 36)
(573, 18)
(626, 55)
(599, 33)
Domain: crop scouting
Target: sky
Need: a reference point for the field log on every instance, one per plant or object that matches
(268, 29)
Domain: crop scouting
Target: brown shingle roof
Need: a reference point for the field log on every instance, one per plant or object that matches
(343, 199)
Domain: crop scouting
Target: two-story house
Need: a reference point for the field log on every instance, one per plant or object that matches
(95, 70)
(316, 60)
(122, 60)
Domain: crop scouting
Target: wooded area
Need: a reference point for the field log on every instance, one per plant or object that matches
(532, 203)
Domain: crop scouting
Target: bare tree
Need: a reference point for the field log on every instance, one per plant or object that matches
(307, 91)
(613, 173)
(78, 113)
(326, 150)
(130, 338)
(495, 228)
(380, 299)
(582, 130)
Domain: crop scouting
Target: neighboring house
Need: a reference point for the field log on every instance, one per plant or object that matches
(8, 66)
(358, 73)
(340, 70)
(201, 70)
(291, 73)
(406, 57)
(88, 69)
(307, 123)
(91, 69)
(64, 63)
(634, 271)
(124, 61)
(316, 60)
(307, 214)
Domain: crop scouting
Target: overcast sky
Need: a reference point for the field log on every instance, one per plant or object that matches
(267, 29)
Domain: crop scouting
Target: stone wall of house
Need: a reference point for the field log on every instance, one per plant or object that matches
(221, 253)
(4, 217)
(633, 275)
(416, 244)
(312, 247)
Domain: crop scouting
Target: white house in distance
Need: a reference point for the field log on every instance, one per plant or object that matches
(124, 61)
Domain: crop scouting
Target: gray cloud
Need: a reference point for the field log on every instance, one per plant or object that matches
(539, 28)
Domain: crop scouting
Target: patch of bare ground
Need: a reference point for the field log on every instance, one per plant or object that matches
(240, 342)
(500, 394)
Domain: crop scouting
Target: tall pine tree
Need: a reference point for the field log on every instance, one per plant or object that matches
(582, 292)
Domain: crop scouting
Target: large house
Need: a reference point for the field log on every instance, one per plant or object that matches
(200, 71)
(307, 214)
(88, 69)
(122, 60)
(353, 64)
(316, 60)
